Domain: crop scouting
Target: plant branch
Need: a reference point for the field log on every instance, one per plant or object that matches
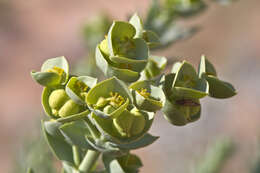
(89, 161)
(76, 155)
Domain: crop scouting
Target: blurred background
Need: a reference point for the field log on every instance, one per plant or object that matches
(32, 31)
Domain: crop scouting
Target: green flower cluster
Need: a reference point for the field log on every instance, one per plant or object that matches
(124, 52)
(184, 88)
(62, 95)
(114, 116)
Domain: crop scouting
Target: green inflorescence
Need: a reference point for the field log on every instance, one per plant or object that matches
(113, 117)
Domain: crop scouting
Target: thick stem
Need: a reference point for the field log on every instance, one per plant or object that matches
(89, 161)
(76, 155)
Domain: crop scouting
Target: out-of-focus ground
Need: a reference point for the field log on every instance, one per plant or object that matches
(34, 30)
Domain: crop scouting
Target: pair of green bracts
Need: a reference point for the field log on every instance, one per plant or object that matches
(184, 88)
(124, 52)
(62, 94)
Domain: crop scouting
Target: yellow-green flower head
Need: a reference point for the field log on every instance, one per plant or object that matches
(61, 105)
(183, 89)
(147, 96)
(109, 98)
(54, 72)
(121, 53)
(78, 87)
(130, 123)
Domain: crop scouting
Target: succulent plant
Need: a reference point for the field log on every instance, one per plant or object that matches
(113, 116)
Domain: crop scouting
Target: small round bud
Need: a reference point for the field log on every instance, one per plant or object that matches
(101, 103)
(130, 123)
(123, 124)
(109, 109)
(138, 122)
(58, 98)
(69, 108)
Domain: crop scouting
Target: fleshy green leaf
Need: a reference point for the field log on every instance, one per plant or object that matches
(185, 75)
(151, 38)
(109, 70)
(146, 140)
(131, 64)
(75, 133)
(106, 147)
(45, 101)
(176, 67)
(220, 89)
(154, 66)
(52, 128)
(46, 78)
(205, 67)
(199, 91)
(141, 49)
(189, 93)
(59, 147)
(138, 24)
(167, 81)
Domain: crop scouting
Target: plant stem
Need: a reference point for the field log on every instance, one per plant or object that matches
(89, 161)
(76, 155)
(30, 170)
